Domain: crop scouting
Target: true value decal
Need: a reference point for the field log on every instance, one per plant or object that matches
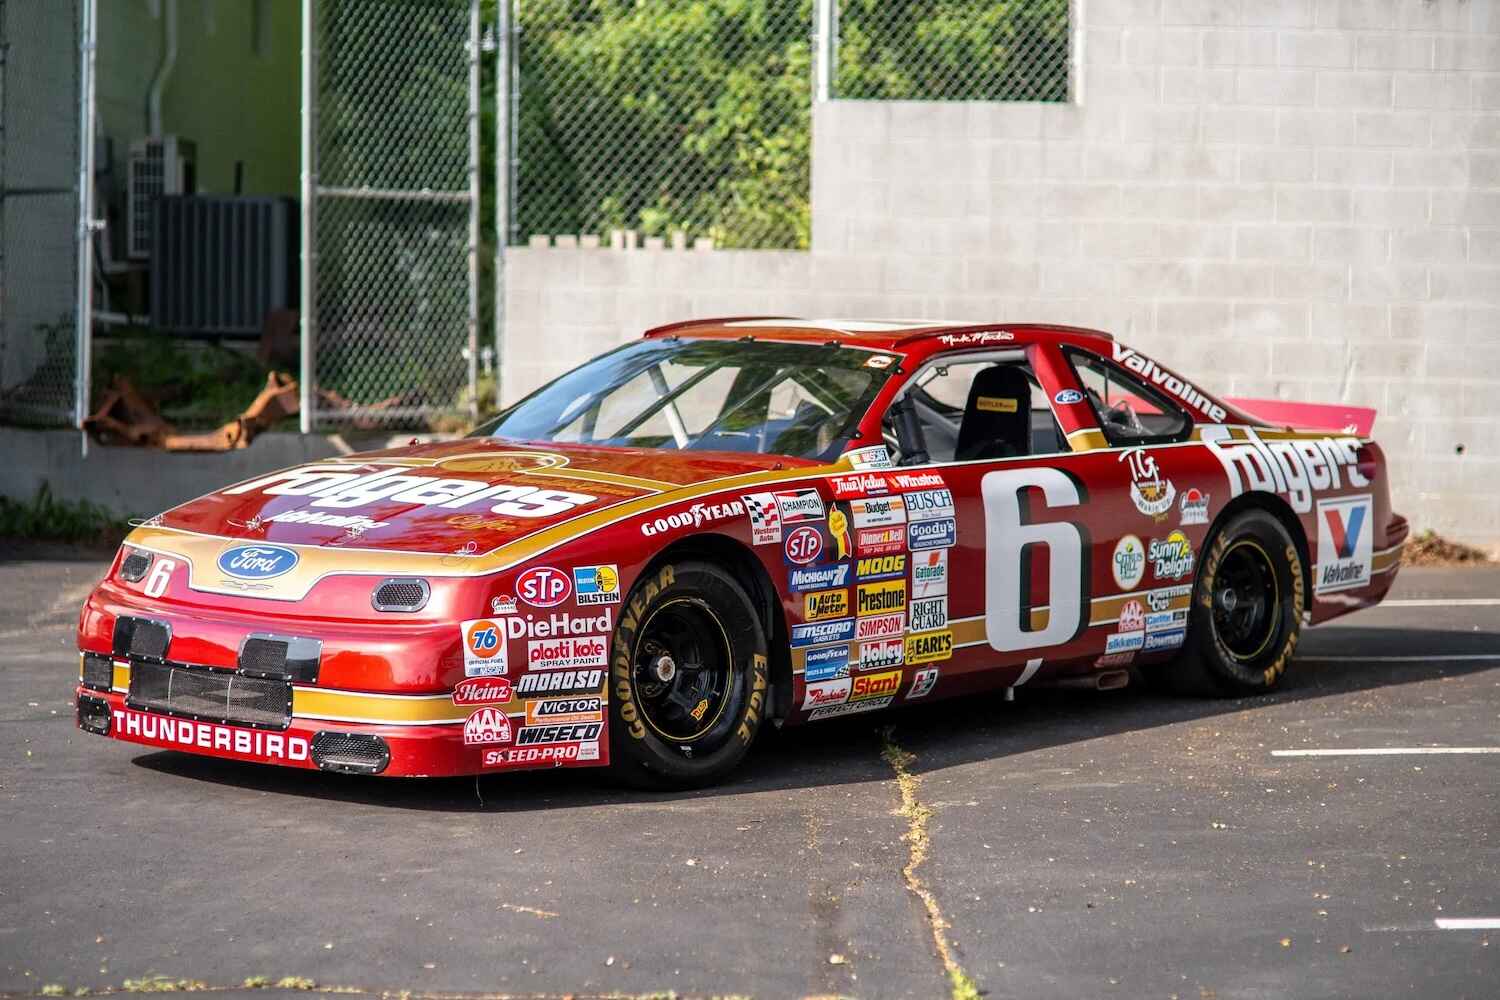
(1345, 543)
(1295, 468)
(336, 487)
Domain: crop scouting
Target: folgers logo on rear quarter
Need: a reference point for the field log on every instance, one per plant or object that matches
(257, 562)
(543, 587)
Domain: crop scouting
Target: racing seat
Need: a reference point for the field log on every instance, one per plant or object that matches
(997, 417)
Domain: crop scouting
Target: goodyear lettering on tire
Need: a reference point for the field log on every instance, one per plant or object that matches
(620, 667)
(748, 725)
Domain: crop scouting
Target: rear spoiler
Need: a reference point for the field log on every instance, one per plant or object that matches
(1310, 416)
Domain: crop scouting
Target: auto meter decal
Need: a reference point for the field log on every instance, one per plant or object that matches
(484, 648)
(257, 562)
(482, 691)
(803, 545)
(543, 587)
(487, 726)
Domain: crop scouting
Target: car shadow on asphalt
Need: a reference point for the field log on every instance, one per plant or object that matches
(847, 751)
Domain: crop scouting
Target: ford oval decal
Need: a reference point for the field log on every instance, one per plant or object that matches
(257, 562)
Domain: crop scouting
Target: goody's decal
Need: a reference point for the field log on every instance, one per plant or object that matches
(818, 633)
(818, 577)
(543, 586)
(597, 584)
(939, 534)
(1345, 543)
(826, 663)
(257, 562)
(484, 648)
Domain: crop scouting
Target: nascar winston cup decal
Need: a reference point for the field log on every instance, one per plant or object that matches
(257, 562)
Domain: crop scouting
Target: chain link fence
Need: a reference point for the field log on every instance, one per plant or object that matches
(395, 210)
(952, 50)
(38, 210)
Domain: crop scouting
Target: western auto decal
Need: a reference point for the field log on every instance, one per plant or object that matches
(484, 648)
(1129, 562)
(487, 726)
(929, 574)
(597, 584)
(804, 544)
(1345, 543)
(1294, 468)
(1149, 491)
(482, 691)
(257, 562)
(544, 587)
(335, 486)
(764, 514)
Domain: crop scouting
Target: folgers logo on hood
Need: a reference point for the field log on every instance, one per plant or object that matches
(257, 562)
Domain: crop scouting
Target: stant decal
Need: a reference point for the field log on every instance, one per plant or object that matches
(867, 686)
(560, 682)
(596, 584)
(543, 586)
(484, 648)
(486, 725)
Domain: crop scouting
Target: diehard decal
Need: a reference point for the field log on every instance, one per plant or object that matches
(939, 534)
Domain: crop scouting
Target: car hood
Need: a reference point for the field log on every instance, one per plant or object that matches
(460, 497)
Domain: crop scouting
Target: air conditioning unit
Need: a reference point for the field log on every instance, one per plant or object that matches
(159, 165)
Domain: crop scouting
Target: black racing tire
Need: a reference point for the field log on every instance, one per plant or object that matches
(1246, 612)
(688, 678)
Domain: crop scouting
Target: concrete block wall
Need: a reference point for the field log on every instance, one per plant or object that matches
(1288, 198)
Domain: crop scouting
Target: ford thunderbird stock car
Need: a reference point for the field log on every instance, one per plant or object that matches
(737, 521)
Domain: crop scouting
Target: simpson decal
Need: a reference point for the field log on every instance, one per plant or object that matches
(765, 518)
(929, 646)
(597, 584)
(484, 648)
(801, 505)
(1345, 543)
(1129, 562)
(880, 626)
(826, 663)
(873, 512)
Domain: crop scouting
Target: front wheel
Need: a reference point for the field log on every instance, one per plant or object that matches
(1246, 614)
(688, 677)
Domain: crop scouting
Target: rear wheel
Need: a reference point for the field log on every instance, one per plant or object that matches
(688, 678)
(1246, 612)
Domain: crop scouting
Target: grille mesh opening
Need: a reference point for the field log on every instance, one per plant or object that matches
(134, 567)
(211, 694)
(141, 637)
(98, 672)
(401, 595)
(350, 752)
(263, 656)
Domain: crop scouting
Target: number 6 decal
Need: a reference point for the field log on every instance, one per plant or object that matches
(1009, 538)
(161, 575)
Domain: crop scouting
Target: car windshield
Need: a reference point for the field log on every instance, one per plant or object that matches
(801, 400)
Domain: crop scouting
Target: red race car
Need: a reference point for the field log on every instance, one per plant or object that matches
(737, 521)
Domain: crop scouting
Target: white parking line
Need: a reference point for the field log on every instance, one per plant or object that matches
(1439, 658)
(1381, 751)
(1467, 923)
(1442, 602)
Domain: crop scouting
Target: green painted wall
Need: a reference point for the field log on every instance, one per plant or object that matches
(233, 92)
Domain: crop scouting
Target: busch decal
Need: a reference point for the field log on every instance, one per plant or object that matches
(928, 505)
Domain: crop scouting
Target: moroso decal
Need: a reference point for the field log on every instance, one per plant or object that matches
(1295, 468)
(543, 586)
(487, 725)
(484, 648)
(334, 486)
(482, 691)
(560, 682)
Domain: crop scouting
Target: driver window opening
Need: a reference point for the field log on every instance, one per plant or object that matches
(975, 409)
(1128, 411)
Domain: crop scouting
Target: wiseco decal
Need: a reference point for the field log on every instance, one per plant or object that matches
(574, 733)
(334, 486)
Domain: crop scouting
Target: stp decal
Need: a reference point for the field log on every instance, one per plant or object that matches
(803, 545)
(484, 648)
(543, 587)
(1345, 543)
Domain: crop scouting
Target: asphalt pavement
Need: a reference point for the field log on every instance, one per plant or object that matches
(1066, 844)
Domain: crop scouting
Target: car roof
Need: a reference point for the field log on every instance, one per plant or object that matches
(905, 335)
